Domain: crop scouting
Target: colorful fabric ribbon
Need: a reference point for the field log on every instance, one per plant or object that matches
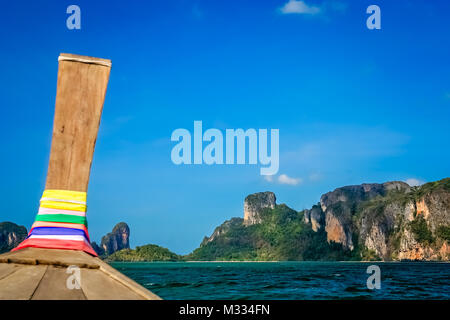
(60, 223)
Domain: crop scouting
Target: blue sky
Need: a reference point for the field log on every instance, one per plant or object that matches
(352, 105)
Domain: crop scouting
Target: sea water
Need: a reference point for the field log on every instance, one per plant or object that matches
(289, 280)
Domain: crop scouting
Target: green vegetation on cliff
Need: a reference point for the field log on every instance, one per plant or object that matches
(420, 229)
(427, 188)
(282, 235)
(149, 252)
(443, 232)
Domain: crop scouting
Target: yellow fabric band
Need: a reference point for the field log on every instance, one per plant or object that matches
(64, 200)
(63, 206)
(65, 195)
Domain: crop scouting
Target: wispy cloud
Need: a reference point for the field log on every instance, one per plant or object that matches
(413, 182)
(299, 7)
(284, 179)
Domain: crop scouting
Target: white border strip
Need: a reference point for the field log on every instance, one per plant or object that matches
(57, 237)
(63, 200)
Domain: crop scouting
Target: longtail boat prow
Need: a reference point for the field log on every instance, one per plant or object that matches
(56, 260)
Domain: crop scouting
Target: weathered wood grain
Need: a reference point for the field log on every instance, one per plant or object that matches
(62, 258)
(6, 269)
(97, 285)
(21, 284)
(81, 90)
(129, 283)
(99, 281)
(53, 286)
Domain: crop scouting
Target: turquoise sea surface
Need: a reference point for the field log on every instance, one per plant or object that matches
(289, 280)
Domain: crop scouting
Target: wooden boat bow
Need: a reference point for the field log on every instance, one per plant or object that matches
(59, 238)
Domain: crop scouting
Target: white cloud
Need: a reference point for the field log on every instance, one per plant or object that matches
(299, 7)
(285, 179)
(414, 182)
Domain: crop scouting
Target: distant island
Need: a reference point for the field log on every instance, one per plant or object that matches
(389, 222)
(384, 222)
(149, 252)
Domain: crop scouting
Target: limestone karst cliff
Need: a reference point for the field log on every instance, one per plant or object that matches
(388, 221)
(11, 235)
(315, 216)
(255, 203)
(341, 205)
(116, 240)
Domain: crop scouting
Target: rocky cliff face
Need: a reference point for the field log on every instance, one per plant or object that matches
(414, 225)
(97, 248)
(255, 203)
(389, 221)
(114, 241)
(379, 223)
(341, 205)
(426, 236)
(11, 235)
(315, 216)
